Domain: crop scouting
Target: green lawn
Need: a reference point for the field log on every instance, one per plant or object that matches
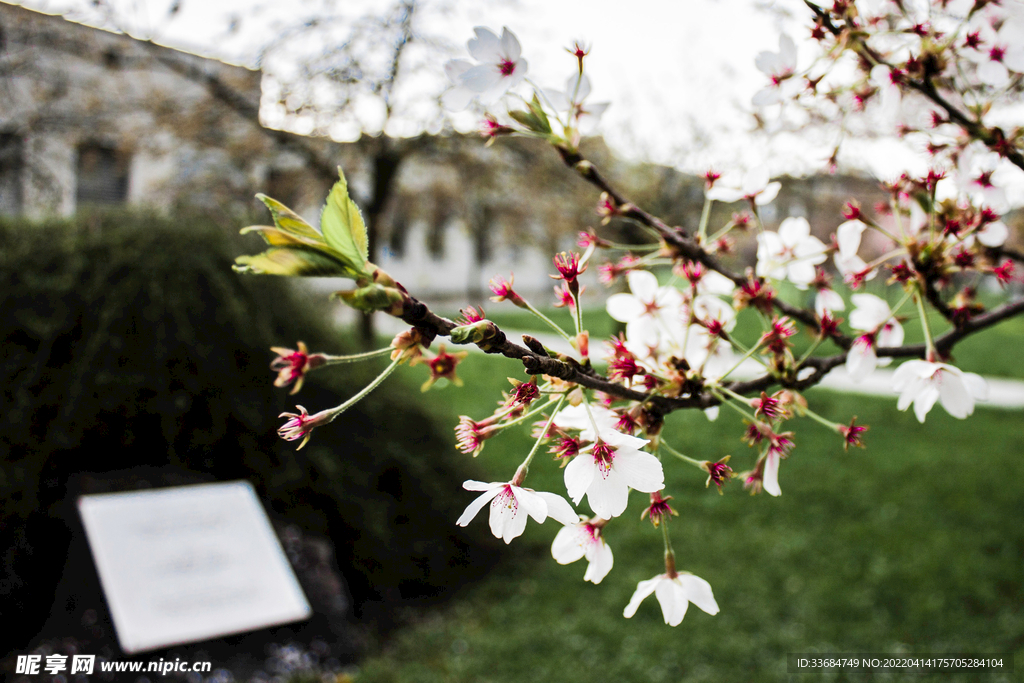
(914, 544)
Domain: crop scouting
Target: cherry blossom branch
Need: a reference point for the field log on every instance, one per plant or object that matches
(680, 241)
(537, 361)
(1010, 253)
(934, 298)
(992, 137)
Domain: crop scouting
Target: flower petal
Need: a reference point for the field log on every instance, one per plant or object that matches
(510, 48)
(794, 230)
(993, 234)
(601, 562)
(956, 398)
(569, 544)
(643, 284)
(755, 180)
(482, 78)
(724, 194)
(771, 474)
(486, 47)
(559, 508)
(641, 471)
(870, 312)
(891, 334)
(826, 301)
(577, 88)
(925, 399)
(977, 385)
(508, 518)
(673, 601)
(578, 476)
(801, 273)
(643, 589)
(533, 503)
(768, 195)
(457, 98)
(624, 307)
(454, 68)
(861, 360)
(473, 508)
(557, 99)
(698, 591)
(473, 485)
(848, 237)
(608, 494)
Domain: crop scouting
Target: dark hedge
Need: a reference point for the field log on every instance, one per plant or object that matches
(133, 356)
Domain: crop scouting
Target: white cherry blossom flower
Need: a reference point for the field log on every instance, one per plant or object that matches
(994, 234)
(998, 54)
(606, 470)
(572, 100)
(713, 282)
(770, 482)
(1011, 37)
(651, 313)
(923, 383)
(848, 237)
(500, 67)
(583, 539)
(847, 261)
(870, 312)
(888, 101)
(707, 307)
(511, 505)
(779, 67)
(753, 185)
(674, 593)
(976, 176)
(713, 355)
(457, 97)
(874, 8)
(872, 316)
(791, 253)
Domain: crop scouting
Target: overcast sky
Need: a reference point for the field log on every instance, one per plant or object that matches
(679, 73)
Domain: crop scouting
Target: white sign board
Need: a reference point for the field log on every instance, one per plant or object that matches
(189, 563)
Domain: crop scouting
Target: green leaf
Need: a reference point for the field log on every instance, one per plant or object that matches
(290, 222)
(343, 226)
(544, 126)
(372, 297)
(292, 261)
(276, 237)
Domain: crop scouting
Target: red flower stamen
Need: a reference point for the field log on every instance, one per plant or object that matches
(659, 509)
(852, 434)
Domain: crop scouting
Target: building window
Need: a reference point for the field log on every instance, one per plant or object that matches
(102, 175)
(112, 59)
(11, 164)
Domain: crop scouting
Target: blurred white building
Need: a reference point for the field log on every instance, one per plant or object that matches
(92, 117)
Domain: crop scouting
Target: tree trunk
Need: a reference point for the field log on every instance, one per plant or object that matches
(386, 160)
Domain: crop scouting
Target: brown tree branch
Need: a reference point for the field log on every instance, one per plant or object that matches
(992, 137)
(242, 106)
(680, 242)
(536, 362)
(1010, 253)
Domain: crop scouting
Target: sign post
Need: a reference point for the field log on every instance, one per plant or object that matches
(189, 563)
